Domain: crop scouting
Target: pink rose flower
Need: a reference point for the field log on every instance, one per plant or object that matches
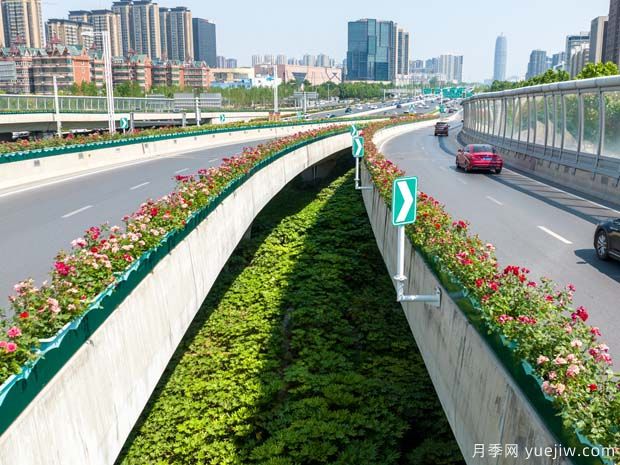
(14, 332)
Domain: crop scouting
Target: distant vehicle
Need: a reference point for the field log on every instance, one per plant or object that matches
(348, 110)
(442, 129)
(331, 115)
(373, 107)
(607, 240)
(479, 157)
(406, 112)
(451, 110)
(399, 105)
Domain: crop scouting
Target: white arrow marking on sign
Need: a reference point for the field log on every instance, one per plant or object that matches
(358, 146)
(406, 193)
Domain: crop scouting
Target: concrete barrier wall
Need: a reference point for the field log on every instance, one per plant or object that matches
(29, 171)
(585, 181)
(84, 415)
(481, 401)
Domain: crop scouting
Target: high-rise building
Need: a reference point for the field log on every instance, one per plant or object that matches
(3, 44)
(123, 9)
(269, 60)
(372, 50)
(23, 22)
(231, 63)
(573, 41)
(451, 68)
(432, 65)
(598, 34)
(537, 64)
(257, 60)
(146, 28)
(220, 61)
(558, 60)
(102, 20)
(205, 47)
(403, 43)
(612, 42)
(322, 61)
(68, 32)
(164, 31)
(501, 58)
(579, 57)
(281, 60)
(181, 38)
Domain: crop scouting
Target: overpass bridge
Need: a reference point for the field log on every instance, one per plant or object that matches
(121, 372)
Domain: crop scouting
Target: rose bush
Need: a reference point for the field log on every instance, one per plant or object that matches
(104, 253)
(538, 318)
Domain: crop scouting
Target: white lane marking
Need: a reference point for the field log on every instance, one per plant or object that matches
(557, 236)
(443, 168)
(495, 201)
(461, 181)
(139, 186)
(181, 171)
(75, 212)
(213, 159)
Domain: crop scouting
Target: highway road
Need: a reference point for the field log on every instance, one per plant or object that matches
(41, 219)
(532, 224)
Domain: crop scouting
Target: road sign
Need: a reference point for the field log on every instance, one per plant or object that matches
(222, 118)
(124, 123)
(354, 131)
(442, 108)
(358, 147)
(404, 201)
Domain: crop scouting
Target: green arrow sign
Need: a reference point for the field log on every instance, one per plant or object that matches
(354, 131)
(222, 118)
(358, 147)
(404, 201)
(124, 123)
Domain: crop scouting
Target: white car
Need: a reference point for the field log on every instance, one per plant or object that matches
(373, 107)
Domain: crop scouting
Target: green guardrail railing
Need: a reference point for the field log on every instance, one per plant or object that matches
(19, 390)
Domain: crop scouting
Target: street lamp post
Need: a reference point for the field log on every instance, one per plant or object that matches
(107, 73)
(57, 107)
(276, 104)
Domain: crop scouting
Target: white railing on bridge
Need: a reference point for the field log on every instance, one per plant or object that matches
(574, 123)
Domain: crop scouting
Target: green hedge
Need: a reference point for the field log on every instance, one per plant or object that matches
(300, 355)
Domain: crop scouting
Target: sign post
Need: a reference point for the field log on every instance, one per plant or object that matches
(358, 154)
(404, 212)
(222, 118)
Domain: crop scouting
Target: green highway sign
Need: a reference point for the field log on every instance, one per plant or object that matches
(358, 147)
(222, 118)
(404, 201)
(354, 131)
(124, 123)
(442, 108)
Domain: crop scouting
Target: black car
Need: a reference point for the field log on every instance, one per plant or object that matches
(348, 110)
(441, 128)
(607, 240)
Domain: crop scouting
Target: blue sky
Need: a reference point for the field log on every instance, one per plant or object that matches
(465, 27)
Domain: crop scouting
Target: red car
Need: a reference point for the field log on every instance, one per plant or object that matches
(479, 157)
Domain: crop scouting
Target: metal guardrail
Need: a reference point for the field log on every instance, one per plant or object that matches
(29, 103)
(573, 123)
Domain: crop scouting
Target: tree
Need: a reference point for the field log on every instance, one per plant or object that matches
(593, 70)
(128, 89)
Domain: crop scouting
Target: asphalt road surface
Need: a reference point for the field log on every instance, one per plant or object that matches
(532, 224)
(39, 221)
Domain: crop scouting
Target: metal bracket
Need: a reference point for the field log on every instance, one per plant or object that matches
(430, 299)
(358, 181)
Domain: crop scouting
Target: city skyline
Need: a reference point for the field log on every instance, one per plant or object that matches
(428, 38)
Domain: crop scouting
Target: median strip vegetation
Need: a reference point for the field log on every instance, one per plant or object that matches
(300, 354)
(535, 322)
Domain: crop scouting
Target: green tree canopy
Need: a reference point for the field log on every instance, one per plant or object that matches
(593, 70)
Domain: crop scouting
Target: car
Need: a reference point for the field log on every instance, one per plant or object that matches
(399, 105)
(451, 110)
(348, 110)
(442, 128)
(373, 107)
(479, 157)
(331, 115)
(607, 240)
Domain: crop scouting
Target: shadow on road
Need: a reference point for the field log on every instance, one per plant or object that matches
(610, 268)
